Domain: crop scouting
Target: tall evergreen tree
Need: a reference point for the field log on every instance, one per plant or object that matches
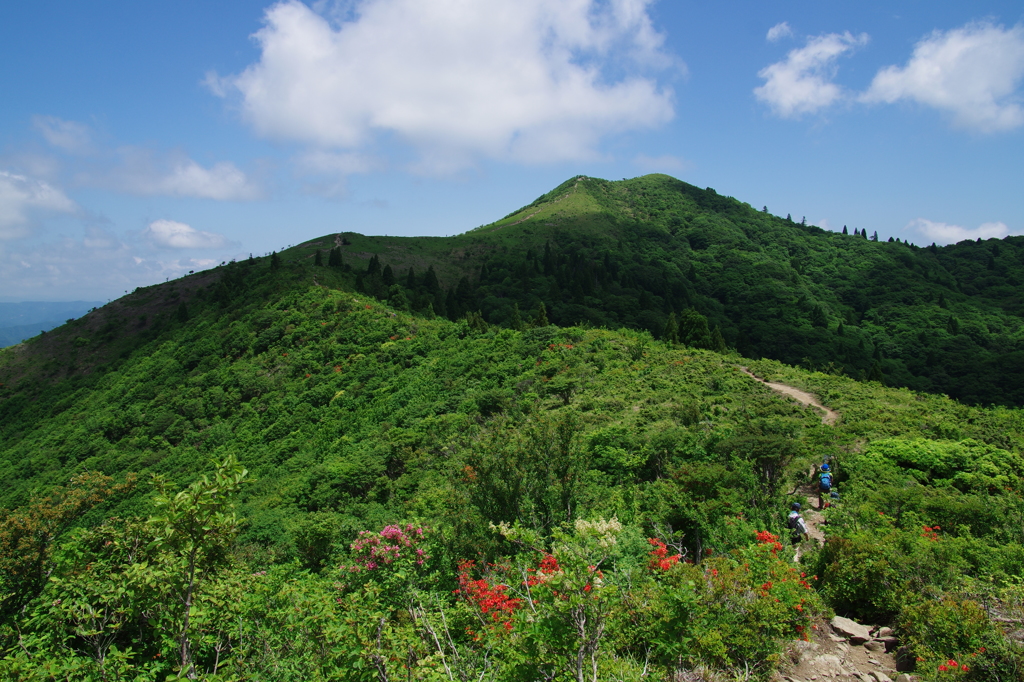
(818, 317)
(844, 230)
(373, 267)
(540, 318)
(430, 283)
(388, 276)
(671, 333)
(275, 260)
(516, 321)
(318, 259)
(876, 373)
(334, 257)
(410, 280)
(718, 341)
(451, 306)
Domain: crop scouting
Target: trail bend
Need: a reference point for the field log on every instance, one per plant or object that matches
(829, 416)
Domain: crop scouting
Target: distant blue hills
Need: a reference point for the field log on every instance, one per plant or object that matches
(20, 321)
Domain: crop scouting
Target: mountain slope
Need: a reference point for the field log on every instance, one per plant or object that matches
(513, 448)
(635, 252)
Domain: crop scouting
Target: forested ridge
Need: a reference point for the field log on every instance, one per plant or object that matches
(640, 253)
(298, 467)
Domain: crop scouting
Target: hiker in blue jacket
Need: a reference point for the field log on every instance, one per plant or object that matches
(824, 477)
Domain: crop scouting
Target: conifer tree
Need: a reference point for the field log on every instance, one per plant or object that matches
(818, 317)
(430, 281)
(671, 333)
(876, 373)
(844, 230)
(451, 306)
(516, 321)
(953, 325)
(410, 280)
(388, 276)
(318, 259)
(718, 341)
(874, 237)
(540, 318)
(373, 267)
(334, 257)
(275, 260)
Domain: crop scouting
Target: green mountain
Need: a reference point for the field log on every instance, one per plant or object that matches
(428, 498)
(634, 253)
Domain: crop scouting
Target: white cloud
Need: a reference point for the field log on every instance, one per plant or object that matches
(20, 196)
(97, 266)
(138, 172)
(802, 83)
(971, 72)
(526, 80)
(779, 31)
(174, 235)
(944, 233)
(70, 136)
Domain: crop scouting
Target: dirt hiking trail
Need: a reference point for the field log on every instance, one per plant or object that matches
(806, 493)
(829, 417)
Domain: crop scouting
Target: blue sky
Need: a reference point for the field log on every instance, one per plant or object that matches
(142, 140)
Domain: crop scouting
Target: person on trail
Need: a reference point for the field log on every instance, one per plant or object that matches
(796, 525)
(824, 484)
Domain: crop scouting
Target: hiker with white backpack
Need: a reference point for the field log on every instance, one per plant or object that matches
(796, 525)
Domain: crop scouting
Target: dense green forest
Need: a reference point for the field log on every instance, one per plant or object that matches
(279, 469)
(638, 252)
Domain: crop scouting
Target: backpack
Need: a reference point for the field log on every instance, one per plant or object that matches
(825, 481)
(794, 520)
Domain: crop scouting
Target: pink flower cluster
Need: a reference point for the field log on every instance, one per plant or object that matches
(373, 550)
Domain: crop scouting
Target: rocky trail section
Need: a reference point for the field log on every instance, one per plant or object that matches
(829, 417)
(845, 651)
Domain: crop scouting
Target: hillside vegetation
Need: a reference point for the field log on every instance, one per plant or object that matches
(641, 253)
(258, 472)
